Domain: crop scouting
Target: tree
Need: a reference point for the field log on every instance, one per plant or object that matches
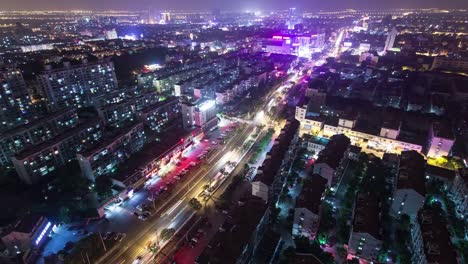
(275, 211)
(69, 180)
(64, 214)
(103, 186)
(288, 253)
(302, 244)
(154, 248)
(341, 251)
(195, 204)
(167, 233)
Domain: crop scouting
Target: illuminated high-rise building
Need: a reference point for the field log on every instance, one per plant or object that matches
(15, 102)
(77, 85)
(166, 17)
(390, 39)
(201, 114)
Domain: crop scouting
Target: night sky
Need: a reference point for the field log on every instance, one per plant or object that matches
(223, 4)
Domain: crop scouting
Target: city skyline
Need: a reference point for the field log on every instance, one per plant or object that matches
(243, 5)
(164, 135)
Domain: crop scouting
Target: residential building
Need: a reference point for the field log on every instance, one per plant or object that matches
(117, 115)
(430, 239)
(161, 115)
(237, 238)
(201, 113)
(34, 163)
(390, 41)
(315, 144)
(307, 210)
(331, 160)
(27, 235)
(76, 85)
(410, 192)
(447, 63)
(15, 102)
(266, 184)
(36, 132)
(440, 139)
(365, 239)
(311, 122)
(104, 158)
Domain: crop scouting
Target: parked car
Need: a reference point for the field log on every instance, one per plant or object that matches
(142, 217)
(139, 207)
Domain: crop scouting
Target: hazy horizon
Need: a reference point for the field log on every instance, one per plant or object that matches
(241, 5)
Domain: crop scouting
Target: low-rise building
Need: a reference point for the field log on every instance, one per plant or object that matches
(445, 63)
(27, 235)
(315, 144)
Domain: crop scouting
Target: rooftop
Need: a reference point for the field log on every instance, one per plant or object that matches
(226, 247)
(438, 247)
(439, 172)
(27, 223)
(36, 122)
(334, 151)
(311, 194)
(110, 140)
(316, 140)
(45, 145)
(303, 258)
(442, 130)
(411, 172)
(367, 215)
(151, 151)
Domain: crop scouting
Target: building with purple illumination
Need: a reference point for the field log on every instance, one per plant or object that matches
(441, 140)
(290, 44)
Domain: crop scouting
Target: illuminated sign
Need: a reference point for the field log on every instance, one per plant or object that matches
(347, 44)
(207, 105)
(44, 231)
(153, 67)
(281, 37)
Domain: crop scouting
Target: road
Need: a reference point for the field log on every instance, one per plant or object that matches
(175, 210)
